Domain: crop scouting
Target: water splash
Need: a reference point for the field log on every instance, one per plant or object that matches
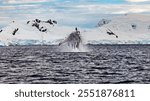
(73, 43)
(66, 48)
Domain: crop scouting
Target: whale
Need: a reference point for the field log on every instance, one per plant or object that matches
(73, 40)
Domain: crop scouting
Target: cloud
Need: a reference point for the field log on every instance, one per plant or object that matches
(24, 1)
(68, 12)
(114, 9)
(137, 0)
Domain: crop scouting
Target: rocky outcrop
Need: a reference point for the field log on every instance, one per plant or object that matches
(103, 22)
(37, 23)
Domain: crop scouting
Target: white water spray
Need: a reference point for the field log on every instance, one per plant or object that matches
(73, 43)
(66, 48)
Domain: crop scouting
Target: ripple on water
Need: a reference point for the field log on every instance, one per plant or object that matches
(116, 64)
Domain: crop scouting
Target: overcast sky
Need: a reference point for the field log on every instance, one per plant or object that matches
(83, 13)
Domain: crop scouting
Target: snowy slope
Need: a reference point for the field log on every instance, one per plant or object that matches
(30, 35)
(130, 29)
(125, 29)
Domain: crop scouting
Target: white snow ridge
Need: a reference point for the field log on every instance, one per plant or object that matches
(125, 29)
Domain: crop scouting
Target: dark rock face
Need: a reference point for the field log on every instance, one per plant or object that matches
(54, 21)
(1, 30)
(149, 27)
(134, 26)
(28, 22)
(36, 23)
(103, 22)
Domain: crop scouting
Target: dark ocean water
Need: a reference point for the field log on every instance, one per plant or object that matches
(103, 65)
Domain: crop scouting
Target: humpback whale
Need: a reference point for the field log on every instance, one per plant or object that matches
(73, 40)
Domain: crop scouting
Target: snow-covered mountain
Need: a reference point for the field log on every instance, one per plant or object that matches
(33, 33)
(103, 22)
(125, 29)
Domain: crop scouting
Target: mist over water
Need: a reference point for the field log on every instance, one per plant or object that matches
(104, 64)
